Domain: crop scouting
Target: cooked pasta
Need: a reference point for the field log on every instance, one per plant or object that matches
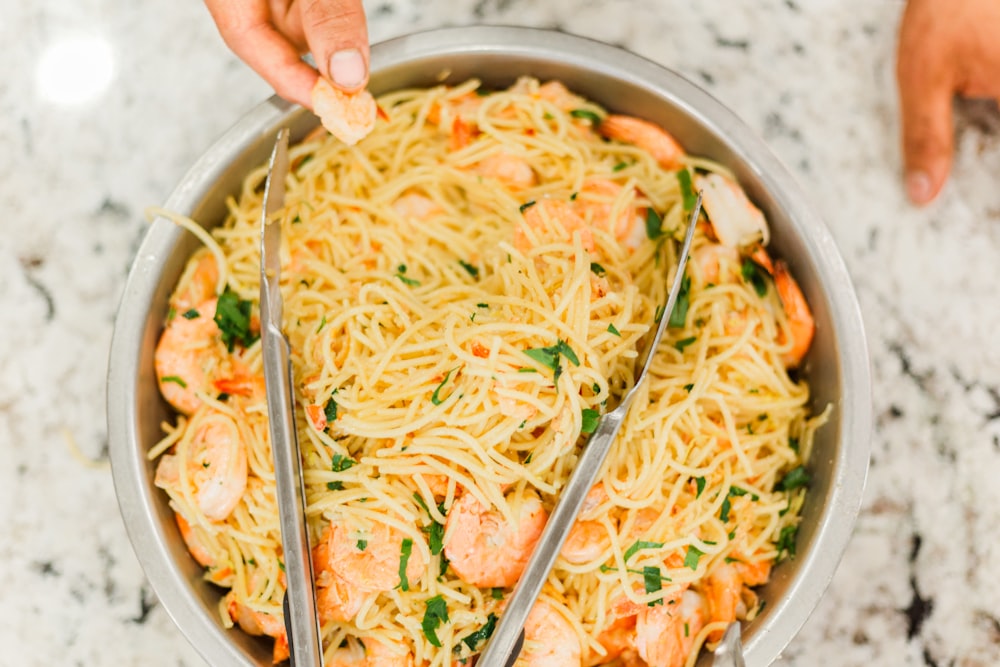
(465, 290)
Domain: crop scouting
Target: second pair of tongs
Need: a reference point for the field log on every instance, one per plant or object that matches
(505, 645)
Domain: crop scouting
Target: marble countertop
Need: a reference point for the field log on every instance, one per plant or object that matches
(155, 86)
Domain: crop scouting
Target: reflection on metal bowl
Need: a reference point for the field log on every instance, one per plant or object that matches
(837, 365)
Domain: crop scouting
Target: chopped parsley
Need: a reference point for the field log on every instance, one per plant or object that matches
(362, 545)
(496, 593)
(470, 269)
(754, 275)
(724, 510)
(176, 379)
(692, 556)
(687, 189)
(526, 205)
(590, 419)
(684, 342)
(435, 614)
(322, 323)
(482, 634)
(222, 397)
(786, 541)
(400, 271)
(793, 443)
(232, 316)
(639, 545)
(688, 387)
(793, 479)
(191, 314)
(653, 222)
(339, 463)
(330, 409)
(620, 166)
(699, 483)
(435, 398)
(651, 581)
(549, 356)
(597, 269)
(678, 316)
(613, 330)
(586, 114)
(737, 491)
(404, 557)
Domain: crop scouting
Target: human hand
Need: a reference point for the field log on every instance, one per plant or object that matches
(271, 36)
(946, 47)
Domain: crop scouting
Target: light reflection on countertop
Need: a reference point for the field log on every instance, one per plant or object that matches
(104, 104)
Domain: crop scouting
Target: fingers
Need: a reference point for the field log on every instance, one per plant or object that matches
(338, 39)
(926, 86)
(247, 30)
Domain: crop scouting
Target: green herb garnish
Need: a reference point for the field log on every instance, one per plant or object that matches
(435, 614)
(651, 581)
(653, 223)
(590, 418)
(404, 558)
(586, 114)
(176, 379)
(793, 479)
(191, 314)
(435, 399)
(232, 316)
(688, 195)
(678, 316)
(612, 329)
(639, 545)
(526, 205)
(684, 342)
(754, 275)
(482, 634)
(692, 556)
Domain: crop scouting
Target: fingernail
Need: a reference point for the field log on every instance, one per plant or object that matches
(918, 187)
(347, 68)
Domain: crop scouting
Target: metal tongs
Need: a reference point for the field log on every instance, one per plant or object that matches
(505, 645)
(729, 652)
(301, 620)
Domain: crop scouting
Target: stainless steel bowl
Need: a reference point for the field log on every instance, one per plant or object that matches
(837, 365)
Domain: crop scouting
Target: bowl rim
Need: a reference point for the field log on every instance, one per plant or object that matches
(836, 521)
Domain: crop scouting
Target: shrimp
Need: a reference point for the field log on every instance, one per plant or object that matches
(715, 263)
(380, 655)
(586, 542)
(413, 205)
(190, 359)
(509, 169)
(801, 325)
(353, 561)
(351, 654)
(348, 116)
(216, 467)
(726, 590)
(598, 197)
(259, 623)
(736, 222)
(618, 641)
(647, 136)
(549, 639)
(548, 214)
(195, 546)
(486, 551)
(665, 633)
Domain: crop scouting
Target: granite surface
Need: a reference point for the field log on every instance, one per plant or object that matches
(95, 131)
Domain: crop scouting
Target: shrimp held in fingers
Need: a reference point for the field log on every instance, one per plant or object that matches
(483, 549)
(348, 116)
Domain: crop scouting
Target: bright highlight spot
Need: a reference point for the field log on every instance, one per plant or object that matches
(75, 70)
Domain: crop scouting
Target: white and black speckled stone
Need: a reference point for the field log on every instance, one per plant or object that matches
(918, 585)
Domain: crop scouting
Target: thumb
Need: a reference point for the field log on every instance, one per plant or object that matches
(925, 95)
(337, 34)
